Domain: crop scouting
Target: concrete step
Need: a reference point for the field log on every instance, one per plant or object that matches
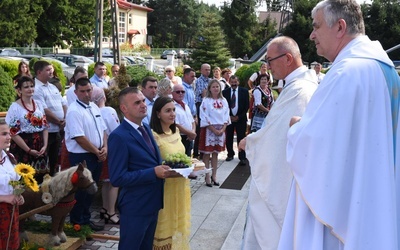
(234, 239)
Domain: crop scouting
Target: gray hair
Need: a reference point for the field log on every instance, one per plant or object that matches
(286, 44)
(348, 10)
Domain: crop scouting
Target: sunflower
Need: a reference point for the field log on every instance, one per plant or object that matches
(24, 170)
(31, 183)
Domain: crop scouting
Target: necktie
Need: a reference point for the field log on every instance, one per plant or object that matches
(146, 138)
(233, 99)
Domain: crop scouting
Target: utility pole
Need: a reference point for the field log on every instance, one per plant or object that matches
(98, 53)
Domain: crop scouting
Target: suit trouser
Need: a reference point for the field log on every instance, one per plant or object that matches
(196, 141)
(240, 127)
(80, 213)
(136, 231)
(188, 145)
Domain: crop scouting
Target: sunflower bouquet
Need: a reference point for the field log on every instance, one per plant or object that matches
(27, 180)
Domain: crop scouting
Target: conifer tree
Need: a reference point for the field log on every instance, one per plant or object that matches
(210, 46)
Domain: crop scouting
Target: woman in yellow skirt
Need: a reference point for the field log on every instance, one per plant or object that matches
(173, 225)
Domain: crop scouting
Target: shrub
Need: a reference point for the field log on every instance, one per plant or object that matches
(137, 73)
(7, 90)
(9, 66)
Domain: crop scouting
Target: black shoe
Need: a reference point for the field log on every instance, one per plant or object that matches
(209, 185)
(243, 162)
(96, 227)
(215, 183)
(192, 177)
(229, 158)
(89, 238)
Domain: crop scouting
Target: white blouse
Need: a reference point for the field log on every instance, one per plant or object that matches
(7, 174)
(214, 112)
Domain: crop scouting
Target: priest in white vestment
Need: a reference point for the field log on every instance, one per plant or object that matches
(266, 149)
(342, 151)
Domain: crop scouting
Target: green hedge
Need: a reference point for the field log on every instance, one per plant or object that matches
(8, 93)
(9, 66)
(244, 72)
(137, 73)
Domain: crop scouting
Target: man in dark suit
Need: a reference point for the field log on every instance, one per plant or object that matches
(238, 99)
(134, 162)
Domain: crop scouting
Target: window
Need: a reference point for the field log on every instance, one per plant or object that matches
(121, 27)
(130, 19)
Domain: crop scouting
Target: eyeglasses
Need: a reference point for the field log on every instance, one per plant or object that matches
(180, 92)
(270, 60)
(115, 71)
(167, 71)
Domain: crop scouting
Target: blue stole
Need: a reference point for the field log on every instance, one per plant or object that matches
(393, 83)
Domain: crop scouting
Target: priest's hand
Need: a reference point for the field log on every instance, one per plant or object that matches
(294, 120)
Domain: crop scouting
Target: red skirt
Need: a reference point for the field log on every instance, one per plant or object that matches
(104, 173)
(65, 164)
(210, 142)
(5, 219)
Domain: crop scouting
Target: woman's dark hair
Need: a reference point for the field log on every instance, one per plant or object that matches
(21, 81)
(155, 122)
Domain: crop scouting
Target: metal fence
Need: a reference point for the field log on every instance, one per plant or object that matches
(155, 52)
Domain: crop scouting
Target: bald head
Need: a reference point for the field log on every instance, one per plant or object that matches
(205, 69)
(283, 56)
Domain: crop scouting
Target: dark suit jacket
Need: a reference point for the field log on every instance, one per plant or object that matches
(131, 167)
(243, 102)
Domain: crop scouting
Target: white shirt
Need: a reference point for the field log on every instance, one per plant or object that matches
(71, 96)
(86, 122)
(214, 112)
(183, 116)
(7, 174)
(51, 98)
(110, 118)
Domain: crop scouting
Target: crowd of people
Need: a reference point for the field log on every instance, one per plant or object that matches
(323, 155)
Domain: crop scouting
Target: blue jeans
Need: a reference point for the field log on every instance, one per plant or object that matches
(80, 213)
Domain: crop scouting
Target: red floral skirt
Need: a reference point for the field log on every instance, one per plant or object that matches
(210, 142)
(5, 219)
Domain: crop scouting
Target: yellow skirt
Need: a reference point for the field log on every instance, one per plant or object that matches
(173, 225)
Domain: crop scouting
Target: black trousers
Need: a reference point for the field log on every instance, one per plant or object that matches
(188, 145)
(53, 148)
(240, 127)
(196, 141)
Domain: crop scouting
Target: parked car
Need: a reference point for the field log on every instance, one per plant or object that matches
(9, 52)
(135, 60)
(69, 59)
(167, 52)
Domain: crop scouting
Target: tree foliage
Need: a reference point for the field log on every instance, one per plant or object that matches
(382, 22)
(173, 23)
(300, 28)
(18, 21)
(210, 46)
(239, 22)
